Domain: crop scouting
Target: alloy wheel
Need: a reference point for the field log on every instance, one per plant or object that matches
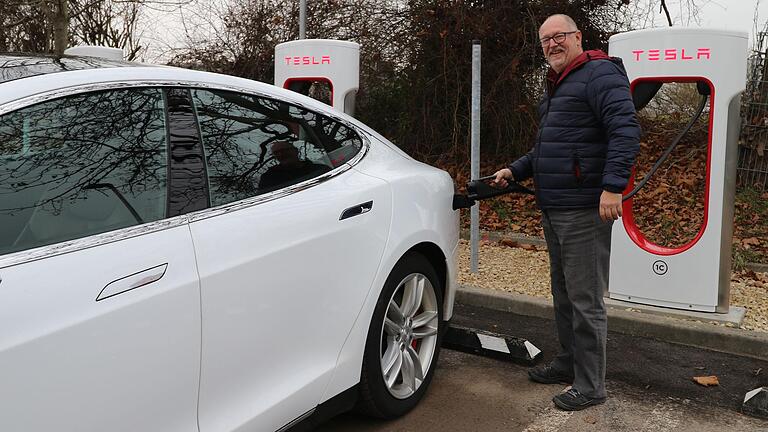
(409, 335)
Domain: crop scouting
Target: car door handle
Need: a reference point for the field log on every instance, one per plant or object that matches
(131, 282)
(356, 210)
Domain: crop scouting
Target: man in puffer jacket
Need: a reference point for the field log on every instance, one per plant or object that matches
(581, 161)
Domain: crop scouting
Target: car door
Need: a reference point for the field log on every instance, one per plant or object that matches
(99, 295)
(284, 265)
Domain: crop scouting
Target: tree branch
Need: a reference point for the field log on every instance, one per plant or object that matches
(663, 6)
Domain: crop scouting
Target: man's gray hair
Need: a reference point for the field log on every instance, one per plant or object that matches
(565, 18)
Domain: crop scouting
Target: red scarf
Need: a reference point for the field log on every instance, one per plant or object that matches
(554, 78)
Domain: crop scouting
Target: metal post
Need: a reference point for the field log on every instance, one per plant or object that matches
(474, 235)
(303, 19)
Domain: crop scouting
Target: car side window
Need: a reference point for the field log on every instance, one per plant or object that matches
(341, 142)
(255, 145)
(81, 165)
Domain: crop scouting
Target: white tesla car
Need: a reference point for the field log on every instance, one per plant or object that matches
(186, 251)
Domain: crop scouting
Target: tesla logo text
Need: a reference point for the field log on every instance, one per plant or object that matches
(672, 54)
(307, 60)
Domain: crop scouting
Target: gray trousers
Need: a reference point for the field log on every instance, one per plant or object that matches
(579, 244)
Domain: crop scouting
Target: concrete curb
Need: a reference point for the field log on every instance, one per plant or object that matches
(495, 236)
(541, 243)
(692, 333)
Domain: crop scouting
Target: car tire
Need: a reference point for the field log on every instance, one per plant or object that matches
(403, 342)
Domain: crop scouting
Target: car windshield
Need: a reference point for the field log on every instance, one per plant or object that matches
(17, 66)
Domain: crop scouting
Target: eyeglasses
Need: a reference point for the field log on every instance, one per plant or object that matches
(558, 38)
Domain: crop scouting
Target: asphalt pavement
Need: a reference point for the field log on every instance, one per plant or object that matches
(645, 363)
(650, 388)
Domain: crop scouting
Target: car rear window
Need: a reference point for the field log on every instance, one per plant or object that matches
(255, 145)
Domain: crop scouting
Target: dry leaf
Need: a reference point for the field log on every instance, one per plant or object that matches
(707, 381)
(508, 243)
(751, 241)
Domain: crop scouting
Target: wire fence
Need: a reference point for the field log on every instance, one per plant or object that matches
(753, 154)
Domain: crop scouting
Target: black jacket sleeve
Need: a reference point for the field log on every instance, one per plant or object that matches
(523, 167)
(610, 99)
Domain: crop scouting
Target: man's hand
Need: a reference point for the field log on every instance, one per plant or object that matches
(501, 178)
(610, 206)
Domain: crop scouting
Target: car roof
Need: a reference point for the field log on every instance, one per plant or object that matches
(15, 66)
(101, 74)
(94, 72)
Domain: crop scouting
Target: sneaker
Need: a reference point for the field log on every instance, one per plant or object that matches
(572, 400)
(549, 375)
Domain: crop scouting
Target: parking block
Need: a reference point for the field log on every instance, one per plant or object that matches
(756, 403)
(488, 344)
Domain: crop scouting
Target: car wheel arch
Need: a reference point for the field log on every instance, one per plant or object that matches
(436, 258)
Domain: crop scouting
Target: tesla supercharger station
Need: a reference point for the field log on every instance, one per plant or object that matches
(302, 63)
(694, 276)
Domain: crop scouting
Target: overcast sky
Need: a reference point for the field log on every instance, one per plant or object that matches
(164, 31)
(724, 14)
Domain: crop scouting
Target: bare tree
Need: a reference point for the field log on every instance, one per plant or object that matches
(644, 13)
(44, 23)
(24, 27)
(53, 25)
(106, 23)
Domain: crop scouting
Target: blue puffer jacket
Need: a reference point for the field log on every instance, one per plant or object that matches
(588, 135)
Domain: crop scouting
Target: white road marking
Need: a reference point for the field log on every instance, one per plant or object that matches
(493, 343)
(752, 394)
(549, 420)
(533, 351)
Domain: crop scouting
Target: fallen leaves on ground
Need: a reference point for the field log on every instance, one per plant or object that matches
(706, 381)
(749, 241)
(590, 419)
(669, 210)
(509, 243)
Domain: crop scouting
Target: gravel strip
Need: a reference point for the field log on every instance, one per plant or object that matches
(525, 270)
